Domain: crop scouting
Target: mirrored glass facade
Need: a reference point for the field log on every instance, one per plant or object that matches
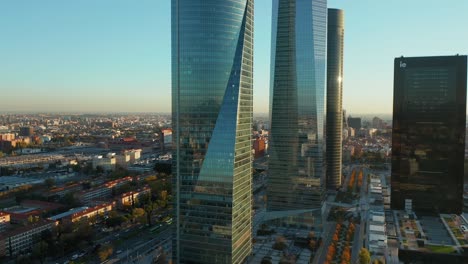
(297, 96)
(212, 70)
(335, 45)
(429, 112)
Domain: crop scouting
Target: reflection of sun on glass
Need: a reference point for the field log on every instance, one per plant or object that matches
(339, 79)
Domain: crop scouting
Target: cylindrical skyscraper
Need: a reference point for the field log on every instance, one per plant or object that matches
(334, 97)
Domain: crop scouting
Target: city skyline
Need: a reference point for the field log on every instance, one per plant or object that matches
(58, 54)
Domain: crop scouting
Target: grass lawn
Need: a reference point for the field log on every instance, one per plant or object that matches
(440, 249)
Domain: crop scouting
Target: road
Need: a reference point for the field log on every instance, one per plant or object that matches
(392, 257)
(328, 231)
(139, 248)
(363, 208)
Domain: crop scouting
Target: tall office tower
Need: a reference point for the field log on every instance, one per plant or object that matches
(26, 131)
(334, 131)
(429, 112)
(345, 120)
(212, 71)
(296, 163)
(355, 122)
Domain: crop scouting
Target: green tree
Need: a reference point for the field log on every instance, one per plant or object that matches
(76, 167)
(88, 169)
(23, 259)
(118, 173)
(33, 219)
(99, 169)
(379, 261)
(151, 178)
(83, 230)
(40, 251)
(163, 195)
(364, 256)
(49, 182)
(116, 221)
(149, 208)
(124, 188)
(163, 168)
(70, 200)
(280, 243)
(312, 245)
(138, 213)
(105, 252)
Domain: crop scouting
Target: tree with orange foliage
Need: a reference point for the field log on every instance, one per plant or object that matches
(335, 237)
(360, 178)
(312, 245)
(351, 180)
(331, 249)
(346, 256)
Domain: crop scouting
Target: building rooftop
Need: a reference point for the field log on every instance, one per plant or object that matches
(91, 209)
(23, 229)
(13, 180)
(3, 213)
(68, 213)
(20, 209)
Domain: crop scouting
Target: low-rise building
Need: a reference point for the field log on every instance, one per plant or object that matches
(62, 191)
(101, 209)
(135, 154)
(23, 239)
(107, 163)
(4, 221)
(12, 182)
(122, 160)
(259, 147)
(29, 211)
(77, 214)
(130, 198)
(102, 192)
(377, 232)
(7, 137)
(22, 215)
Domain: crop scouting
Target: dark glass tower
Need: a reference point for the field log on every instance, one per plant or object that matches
(212, 60)
(297, 96)
(334, 131)
(429, 112)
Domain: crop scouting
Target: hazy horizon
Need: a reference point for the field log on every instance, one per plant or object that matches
(114, 56)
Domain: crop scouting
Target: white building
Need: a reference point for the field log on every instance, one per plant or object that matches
(107, 163)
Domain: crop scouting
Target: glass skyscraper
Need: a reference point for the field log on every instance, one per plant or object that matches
(297, 96)
(212, 60)
(334, 131)
(428, 139)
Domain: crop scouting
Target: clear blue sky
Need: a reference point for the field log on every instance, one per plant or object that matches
(114, 55)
